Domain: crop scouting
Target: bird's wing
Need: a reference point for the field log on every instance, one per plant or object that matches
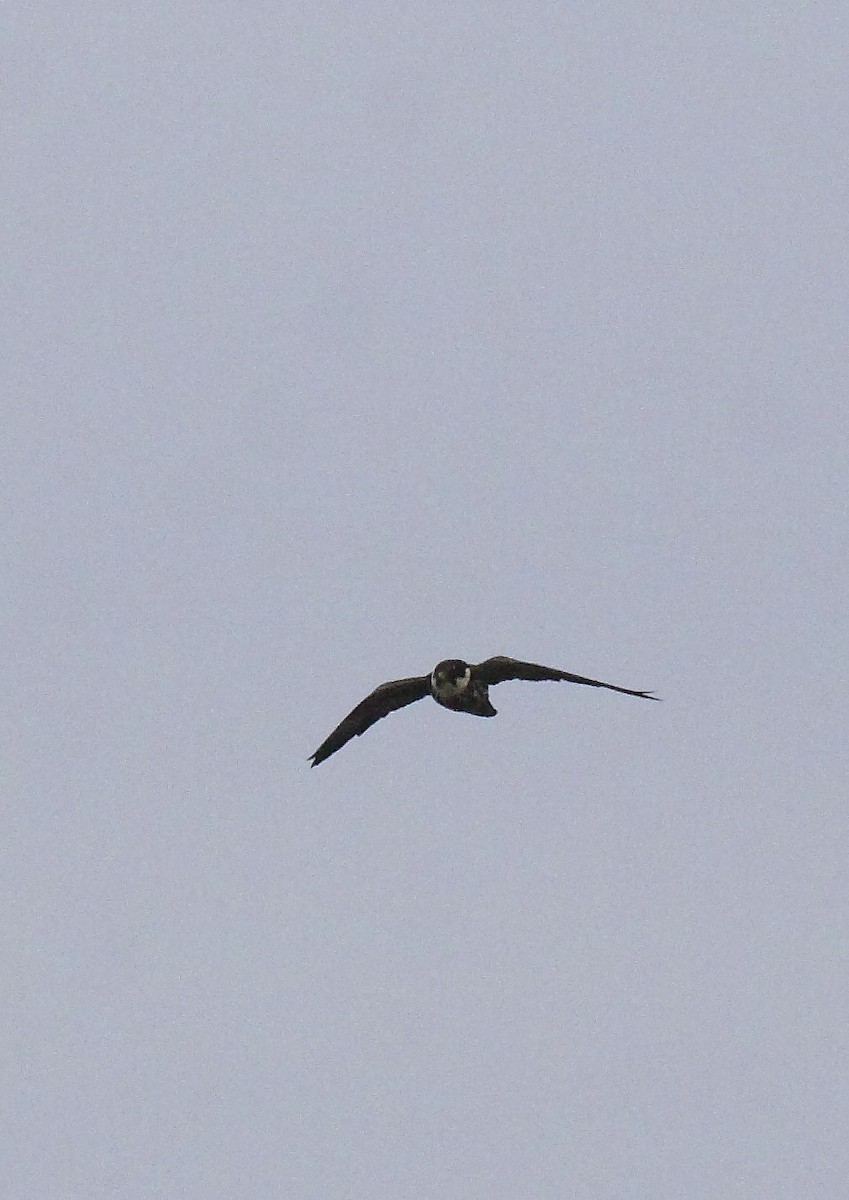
(500, 669)
(382, 701)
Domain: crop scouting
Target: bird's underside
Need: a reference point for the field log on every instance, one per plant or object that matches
(460, 686)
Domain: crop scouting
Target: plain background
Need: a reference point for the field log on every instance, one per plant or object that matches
(340, 339)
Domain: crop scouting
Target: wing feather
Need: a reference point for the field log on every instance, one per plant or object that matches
(379, 703)
(500, 669)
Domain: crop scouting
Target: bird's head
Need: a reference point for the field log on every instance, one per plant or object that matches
(450, 677)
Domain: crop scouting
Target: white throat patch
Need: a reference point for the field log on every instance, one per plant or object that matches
(449, 688)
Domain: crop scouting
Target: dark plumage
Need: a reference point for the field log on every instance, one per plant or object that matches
(454, 684)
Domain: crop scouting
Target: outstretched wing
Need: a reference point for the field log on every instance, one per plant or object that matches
(382, 701)
(500, 669)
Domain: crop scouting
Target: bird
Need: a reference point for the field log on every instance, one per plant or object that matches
(460, 686)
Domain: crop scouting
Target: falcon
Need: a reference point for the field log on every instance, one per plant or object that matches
(460, 686)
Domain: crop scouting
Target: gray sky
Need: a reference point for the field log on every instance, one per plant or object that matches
(340, 339)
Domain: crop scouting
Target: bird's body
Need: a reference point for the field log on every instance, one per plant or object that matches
(460, 686)
(454, 685)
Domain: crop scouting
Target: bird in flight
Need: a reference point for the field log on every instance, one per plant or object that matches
(463, 687)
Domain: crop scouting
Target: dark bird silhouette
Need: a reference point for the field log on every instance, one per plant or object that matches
(454, 684)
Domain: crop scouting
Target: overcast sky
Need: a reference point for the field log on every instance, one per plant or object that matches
(340, 339)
